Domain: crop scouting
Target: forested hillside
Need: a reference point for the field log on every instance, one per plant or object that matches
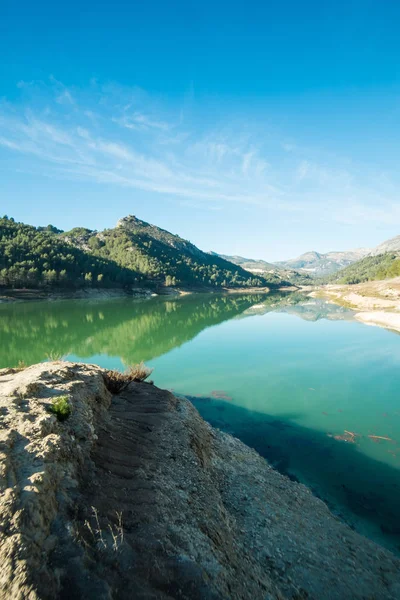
(161, 256)
(134, 253)
(370, 268)
(39, 257)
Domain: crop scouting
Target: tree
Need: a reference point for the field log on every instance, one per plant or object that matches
(50, 276)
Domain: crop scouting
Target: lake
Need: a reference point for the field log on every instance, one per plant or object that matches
(301, 381)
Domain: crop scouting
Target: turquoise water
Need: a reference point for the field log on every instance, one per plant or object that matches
(300, 381)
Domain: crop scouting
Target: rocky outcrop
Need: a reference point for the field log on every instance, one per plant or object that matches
(135, 496)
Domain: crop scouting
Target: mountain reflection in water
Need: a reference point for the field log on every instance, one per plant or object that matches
(132, 329)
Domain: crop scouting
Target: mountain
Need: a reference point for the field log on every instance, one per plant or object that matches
(39, 257)
(325, 265)
(266, 269)
(131, 254)
(370, 268)
(382, 262)
(162, 257)
(317, 264)
(392, 245)
(255, 266)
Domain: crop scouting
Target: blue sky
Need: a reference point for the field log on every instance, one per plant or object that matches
(256, 128)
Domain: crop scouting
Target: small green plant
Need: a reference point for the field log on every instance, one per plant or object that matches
(61, 408)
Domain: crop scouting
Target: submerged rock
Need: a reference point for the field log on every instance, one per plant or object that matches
(135, 496)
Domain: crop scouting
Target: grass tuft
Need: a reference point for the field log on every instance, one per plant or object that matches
(61, 408)
(106, 540)
(116, 381)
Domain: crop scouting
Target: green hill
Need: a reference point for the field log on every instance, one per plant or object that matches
(133, 253)
(38, 257)
(370, 268)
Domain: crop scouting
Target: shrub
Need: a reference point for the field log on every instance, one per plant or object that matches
(61, 408)
(116, 381)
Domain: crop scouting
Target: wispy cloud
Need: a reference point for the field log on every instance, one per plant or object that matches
(141, 122)
(65, 98)
(119, 136)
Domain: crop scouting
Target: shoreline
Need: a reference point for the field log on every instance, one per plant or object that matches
(375, 303)
(37, 295)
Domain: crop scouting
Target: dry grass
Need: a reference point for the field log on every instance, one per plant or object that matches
(21, 366)
(116, 381)
(115, 537)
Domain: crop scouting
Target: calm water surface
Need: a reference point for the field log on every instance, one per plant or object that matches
(298, 380)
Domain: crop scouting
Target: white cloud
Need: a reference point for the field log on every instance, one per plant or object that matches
(65, 98)
(142, 121)
(117, 136)
(83, 133)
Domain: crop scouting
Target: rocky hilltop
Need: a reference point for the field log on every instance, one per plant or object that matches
(133, 224)
(133, 495)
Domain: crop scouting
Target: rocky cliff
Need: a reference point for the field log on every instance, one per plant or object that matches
(135, 496)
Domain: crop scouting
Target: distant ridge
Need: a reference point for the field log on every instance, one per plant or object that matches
(392, 245)
(249, 264)
(373, 267)
(319, 264)
(267, 269)
(322, 265)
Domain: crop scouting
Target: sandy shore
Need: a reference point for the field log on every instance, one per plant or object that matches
(375, 302)
(380, 319)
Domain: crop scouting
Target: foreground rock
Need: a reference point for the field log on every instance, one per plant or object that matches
(135, 496)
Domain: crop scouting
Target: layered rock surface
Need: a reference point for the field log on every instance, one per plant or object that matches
(135, 496)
